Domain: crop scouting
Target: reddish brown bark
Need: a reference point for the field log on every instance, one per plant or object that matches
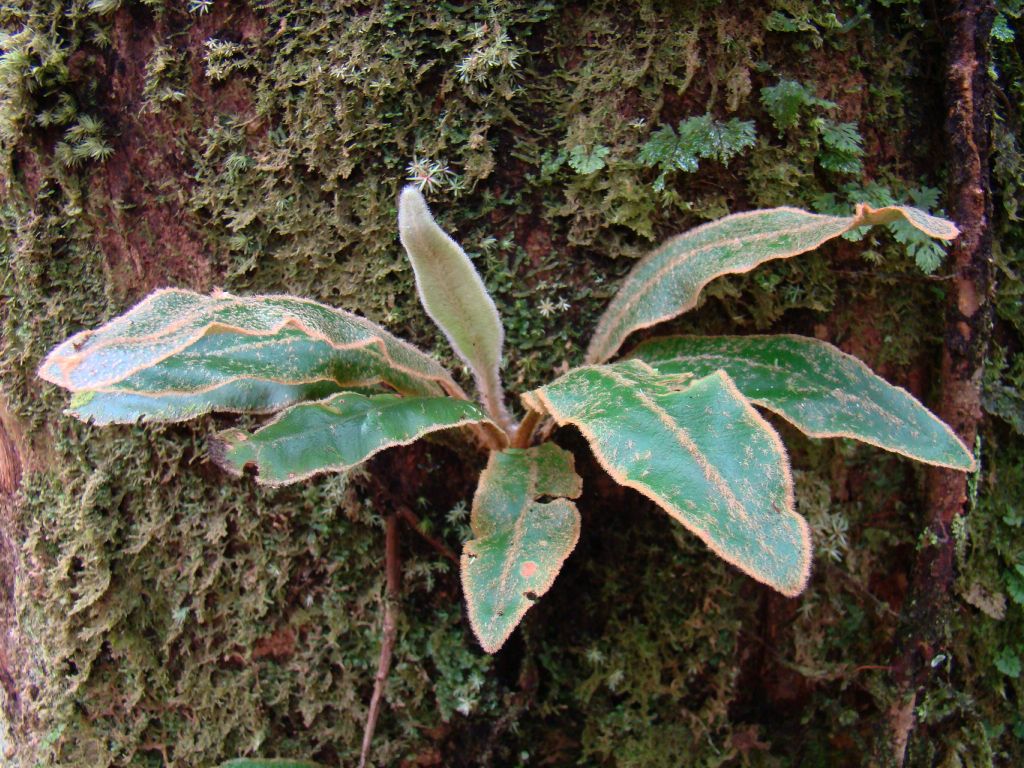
(968, 318)
(10, 463)
(148, 239)
(10, 646)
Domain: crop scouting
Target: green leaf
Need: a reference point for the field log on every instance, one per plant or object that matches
(1001, 29)
(519, 543)
(698, 449)
(668, 282)
(585, 161)
(339, 433)
(698, 137)
(715, 139)
(255, 762)
(785, 100)
(663, 150)
(819, 389)
(1015, 586)
(842, 147)
(1008, 662)
(178, 354)
(454, 296)
(243, 396)
(926, 253)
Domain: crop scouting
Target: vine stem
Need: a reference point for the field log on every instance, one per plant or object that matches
(393, 577)
(414, 522)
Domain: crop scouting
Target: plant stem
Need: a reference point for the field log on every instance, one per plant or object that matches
(393, 576)
(523, 434)
(492, 395)
(486, 437)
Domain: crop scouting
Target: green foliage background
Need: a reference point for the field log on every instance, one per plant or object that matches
(168, 615)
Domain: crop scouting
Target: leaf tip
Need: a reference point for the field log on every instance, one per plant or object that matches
(412, 208)
(795, 586)
(222, 445)
(54, 367)
(968, 463)
(933, 226)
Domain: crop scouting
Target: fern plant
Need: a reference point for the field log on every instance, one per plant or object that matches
(840, 145)
(698, 138)
(675, 419)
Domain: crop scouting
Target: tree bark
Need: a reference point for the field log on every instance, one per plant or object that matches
(10, 646)
(968, 321)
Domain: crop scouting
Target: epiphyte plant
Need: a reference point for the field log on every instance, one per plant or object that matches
(674, 420)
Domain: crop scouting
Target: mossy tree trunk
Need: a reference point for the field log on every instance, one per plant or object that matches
(158, 613)
(969, 95)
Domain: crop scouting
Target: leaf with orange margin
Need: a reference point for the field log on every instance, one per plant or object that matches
(699, 450)
(179, 354)
(339, 433)
(819, 389)
(519, 543)
(668, 282)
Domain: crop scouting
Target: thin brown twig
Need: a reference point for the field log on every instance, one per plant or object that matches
(414, 522)
(393, 576)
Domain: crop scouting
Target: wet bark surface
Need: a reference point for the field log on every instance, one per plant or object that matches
(968, 321)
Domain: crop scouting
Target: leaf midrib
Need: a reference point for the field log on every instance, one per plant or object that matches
(683, 437)
(515, 540)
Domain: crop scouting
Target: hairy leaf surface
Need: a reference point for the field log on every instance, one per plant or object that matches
(339, 433)
(819, 389)
(668, 282)
(519, 543)
(242, 396)
(454, 296)
(274, 762)
(194, 353)
(700, 451)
